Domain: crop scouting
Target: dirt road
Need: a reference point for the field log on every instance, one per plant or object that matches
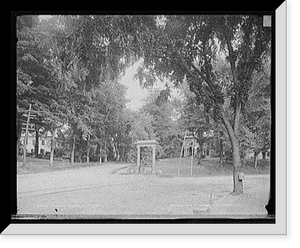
(103, 190)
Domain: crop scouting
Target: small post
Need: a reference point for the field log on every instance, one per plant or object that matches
(179, 164)
(211, 197)
(72, 160)
(88, 149)
(153, 158)
(181, 153)
(192, 159)
(138, 158)
(100, 155)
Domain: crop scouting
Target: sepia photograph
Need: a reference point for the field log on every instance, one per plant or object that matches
(145, 119)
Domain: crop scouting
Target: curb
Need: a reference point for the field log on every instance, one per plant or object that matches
(243, 204)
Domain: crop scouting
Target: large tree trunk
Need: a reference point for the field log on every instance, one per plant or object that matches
(255, 158)
(100, 156)
(237, 184)
(105, 152)
(99, 150)
(88, 155)
(36, 145)
(264, 155)
(117, 153)
(221, 161)
(233, 129)
(73, 150)
(88, 150)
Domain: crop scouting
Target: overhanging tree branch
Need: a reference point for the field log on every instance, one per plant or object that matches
(232, 60)
(207, 93)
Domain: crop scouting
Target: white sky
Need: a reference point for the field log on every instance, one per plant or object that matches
(135, 93)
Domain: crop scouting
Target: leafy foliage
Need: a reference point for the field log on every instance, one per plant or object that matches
(68, 69)
(257, 118)
(165, 125)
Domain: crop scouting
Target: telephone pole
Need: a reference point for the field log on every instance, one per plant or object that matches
(26, 135)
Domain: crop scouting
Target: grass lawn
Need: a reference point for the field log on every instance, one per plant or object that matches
(208, 167)
(168, 167)
(37, 165)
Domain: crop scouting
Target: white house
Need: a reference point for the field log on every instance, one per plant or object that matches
(190, 143)
(44, 142)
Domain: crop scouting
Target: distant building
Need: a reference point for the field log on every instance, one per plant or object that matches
(191, 143)
(208, 150)
(44, 143)
(250, 154)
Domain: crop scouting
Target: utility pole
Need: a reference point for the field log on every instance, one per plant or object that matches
(26, 135)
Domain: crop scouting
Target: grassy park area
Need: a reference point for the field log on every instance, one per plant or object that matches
(166, 167)
(209, 167)
(38, 165)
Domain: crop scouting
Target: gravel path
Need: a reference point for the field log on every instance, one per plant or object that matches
(104, 190)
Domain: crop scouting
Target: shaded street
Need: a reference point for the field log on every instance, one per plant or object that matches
(105, 190)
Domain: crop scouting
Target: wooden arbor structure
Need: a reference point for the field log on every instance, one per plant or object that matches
(188, 142)
(145, 143)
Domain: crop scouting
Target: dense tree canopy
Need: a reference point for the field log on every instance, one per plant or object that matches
(193, 46)
(68, 69)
